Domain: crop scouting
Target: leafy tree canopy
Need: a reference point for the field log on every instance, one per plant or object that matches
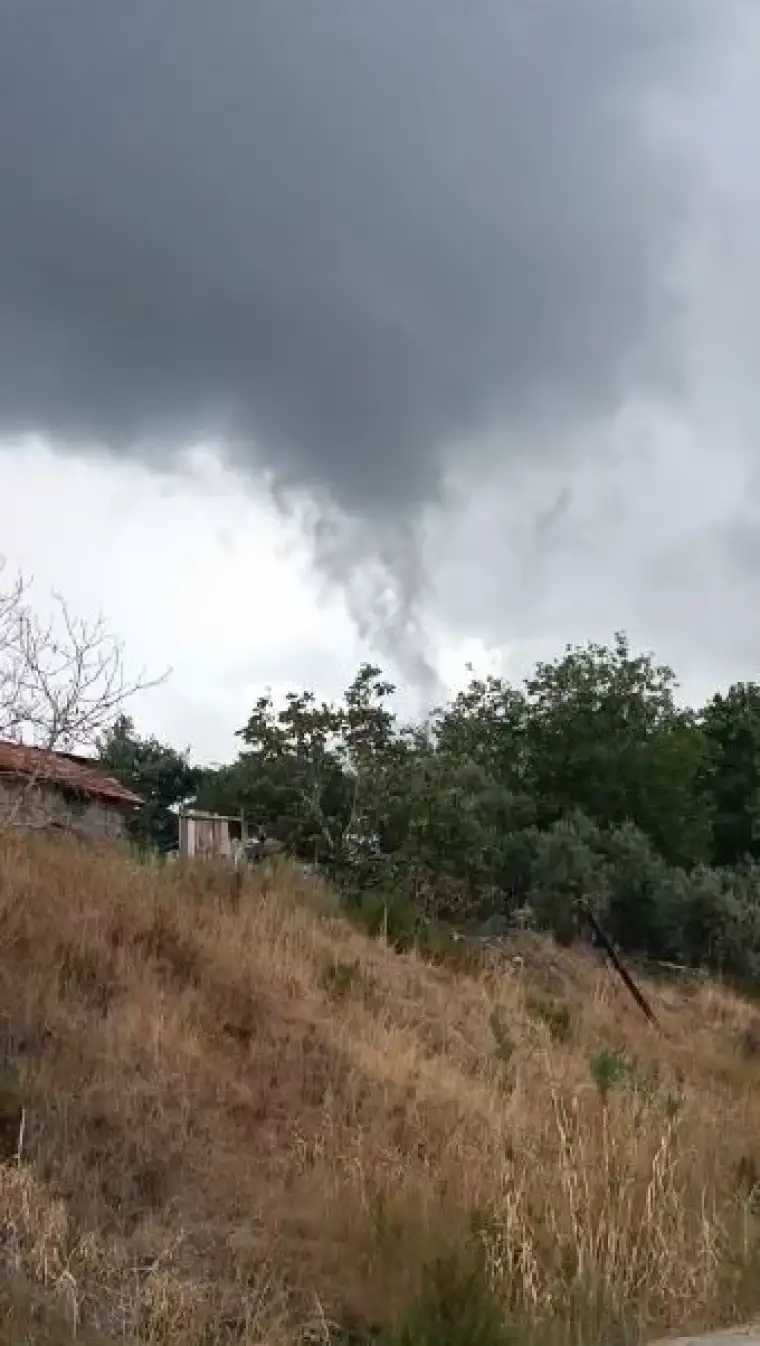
(161, 775)
(589, 779)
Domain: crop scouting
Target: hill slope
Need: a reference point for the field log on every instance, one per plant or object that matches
(246, 1122)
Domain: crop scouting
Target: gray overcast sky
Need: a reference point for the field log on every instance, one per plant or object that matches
(473, 288)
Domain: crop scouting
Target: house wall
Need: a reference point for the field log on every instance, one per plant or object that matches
(46, 806)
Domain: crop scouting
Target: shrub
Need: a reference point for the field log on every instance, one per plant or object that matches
(554, 1013)
(608, 1067)
(634, 911)
(503, 1045)
(339, 977)
(455, 1306)
(566, 865)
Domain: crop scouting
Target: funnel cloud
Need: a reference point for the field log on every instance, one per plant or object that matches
(345, 240)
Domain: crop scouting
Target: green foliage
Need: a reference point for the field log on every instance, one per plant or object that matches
(455, 1306)
(390, 914)
(590, 781)
(293, 754)
(551, 1012)
(162, 776)
(636, 913)
(611, 1067)
(605, 735)
(339, 977)
(731, 772)
(565, 866)
(487, 723)
(608, 1067)
(504, 1047)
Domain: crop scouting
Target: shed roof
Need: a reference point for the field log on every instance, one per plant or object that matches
(65, 769)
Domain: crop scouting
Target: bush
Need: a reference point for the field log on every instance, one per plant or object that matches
(566, 865)
(634, 912)
(455, 1306)
(554, 1013)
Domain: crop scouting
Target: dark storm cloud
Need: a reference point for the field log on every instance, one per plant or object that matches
(350, 232)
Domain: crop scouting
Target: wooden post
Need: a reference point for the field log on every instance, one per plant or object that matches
(617, 963)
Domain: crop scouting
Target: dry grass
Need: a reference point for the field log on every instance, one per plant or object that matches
(245, 1122)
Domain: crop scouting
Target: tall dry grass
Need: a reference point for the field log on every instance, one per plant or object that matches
(243, 1121)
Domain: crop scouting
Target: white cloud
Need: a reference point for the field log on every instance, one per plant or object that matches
(644, 527)
(191, 571)
(196, 570)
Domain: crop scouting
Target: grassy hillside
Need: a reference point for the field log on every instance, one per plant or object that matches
(243, 1121)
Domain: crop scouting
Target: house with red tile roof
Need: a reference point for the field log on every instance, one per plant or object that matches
(41, 788)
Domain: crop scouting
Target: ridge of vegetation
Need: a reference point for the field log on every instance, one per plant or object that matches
(589, 780)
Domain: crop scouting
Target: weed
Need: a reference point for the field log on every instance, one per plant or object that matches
(748, 1180)
(749, 1039)
(340, 977)
(389, 915)
(674, 1105)
(504, 1046)
(11, 1111)
(455, 1306)
(608, 1067)
(551, 1012)
(443, 946)
(611, 1066)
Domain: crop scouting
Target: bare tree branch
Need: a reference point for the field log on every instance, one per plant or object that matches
(62, 681)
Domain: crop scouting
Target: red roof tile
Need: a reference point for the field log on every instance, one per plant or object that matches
(67, 769)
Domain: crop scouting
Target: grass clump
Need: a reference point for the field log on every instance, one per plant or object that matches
(456, 1305)
(11, 1112)
(340, 977)
(551, 1012)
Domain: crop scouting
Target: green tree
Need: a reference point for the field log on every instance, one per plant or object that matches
(162, 776)
(565, 865)
(371, 751)
(590, 781)
(604, 734)
(637, 912)
(313, 771)
(486, 723)
(730, 777)
(294, 753)
(446, 827)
